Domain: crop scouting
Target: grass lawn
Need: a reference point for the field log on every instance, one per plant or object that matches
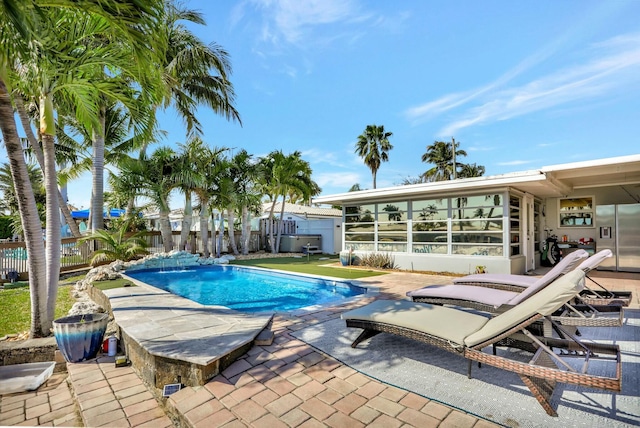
(314, 266)
(15, 307)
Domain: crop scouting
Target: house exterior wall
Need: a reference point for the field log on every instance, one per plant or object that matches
(448, 233)
(601, 196)
(328, 228)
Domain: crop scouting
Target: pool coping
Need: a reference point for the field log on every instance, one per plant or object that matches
(171, 339)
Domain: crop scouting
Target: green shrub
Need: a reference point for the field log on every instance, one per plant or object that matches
(378, 261)
(117, 245)
(6, 227)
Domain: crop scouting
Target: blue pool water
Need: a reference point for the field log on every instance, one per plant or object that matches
(247, 290)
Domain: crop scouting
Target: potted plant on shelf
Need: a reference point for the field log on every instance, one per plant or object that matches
(79, 337)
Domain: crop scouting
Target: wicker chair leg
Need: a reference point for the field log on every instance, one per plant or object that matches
(542, 389)
(366, 334)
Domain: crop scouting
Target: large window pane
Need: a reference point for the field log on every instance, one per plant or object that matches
(433, 209)
(359, 227)
(477, 250)
(359, 246)
(358, 237)
(396, 237)
(429, 226)
(477, 201)
(392, 227)
(472, 213)
(476, 225)
(430, 204)
(430, 248)
(360, 213)
(392, 247)
(487, 238)
(430, 237)
(392, 211)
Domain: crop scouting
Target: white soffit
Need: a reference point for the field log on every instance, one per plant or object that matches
(533, 182)
(618, 171)
(550, 181)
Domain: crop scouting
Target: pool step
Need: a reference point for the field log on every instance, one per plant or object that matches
(265, 338)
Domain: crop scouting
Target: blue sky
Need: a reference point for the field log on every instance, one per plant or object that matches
(519, 84)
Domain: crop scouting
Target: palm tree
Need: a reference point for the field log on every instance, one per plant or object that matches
(246, 174)
(223, 199)
(31, 44)
(194, 73)
(285, 173)
(373, 146)
(157, 182)
(117, 245)
(186, 177)
(37, 150)
(470, 170)
(208, 165)
(120, 138)
(440, 154)
(9, 201)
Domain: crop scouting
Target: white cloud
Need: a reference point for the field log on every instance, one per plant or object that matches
(615, 67)
(318, 156)
(479, 148)
(290, 20)
(337, 180)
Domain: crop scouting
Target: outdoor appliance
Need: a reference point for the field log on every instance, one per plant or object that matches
(619, 230)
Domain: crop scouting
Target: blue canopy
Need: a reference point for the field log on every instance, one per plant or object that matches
(84, 214)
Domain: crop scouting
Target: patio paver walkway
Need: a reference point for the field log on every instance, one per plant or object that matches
(285, 384)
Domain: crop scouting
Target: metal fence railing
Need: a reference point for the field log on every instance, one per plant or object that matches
(75, 255)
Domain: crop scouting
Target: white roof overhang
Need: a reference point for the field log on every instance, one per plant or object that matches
(551, 181)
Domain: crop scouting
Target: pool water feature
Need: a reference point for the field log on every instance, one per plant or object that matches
(247, 289)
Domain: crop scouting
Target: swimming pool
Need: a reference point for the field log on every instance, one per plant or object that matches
(247, 289)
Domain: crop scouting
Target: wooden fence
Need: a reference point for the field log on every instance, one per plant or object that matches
(75, 255)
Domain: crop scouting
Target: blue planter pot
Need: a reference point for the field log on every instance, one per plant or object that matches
(79, 337)
(347, 259)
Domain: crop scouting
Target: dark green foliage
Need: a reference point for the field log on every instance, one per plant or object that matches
(6, 228)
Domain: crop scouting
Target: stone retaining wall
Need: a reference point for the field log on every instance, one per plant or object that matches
(32, 351)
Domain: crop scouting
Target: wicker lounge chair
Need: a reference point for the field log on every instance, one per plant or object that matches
(466, 334)
(496, 301)
(517, 283)
(591, 296)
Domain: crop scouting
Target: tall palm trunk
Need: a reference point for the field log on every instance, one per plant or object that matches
(213, 235)
(165, 229)
(187, 219)
(53, 235)
(246, 230)
(37, 150)
(28, 214)
(204, 228)
(232, 238)
(97, 172)
(271, 226)
(280, 225)
(221, 234)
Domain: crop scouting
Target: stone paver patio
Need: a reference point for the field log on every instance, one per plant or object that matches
(285, 384)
